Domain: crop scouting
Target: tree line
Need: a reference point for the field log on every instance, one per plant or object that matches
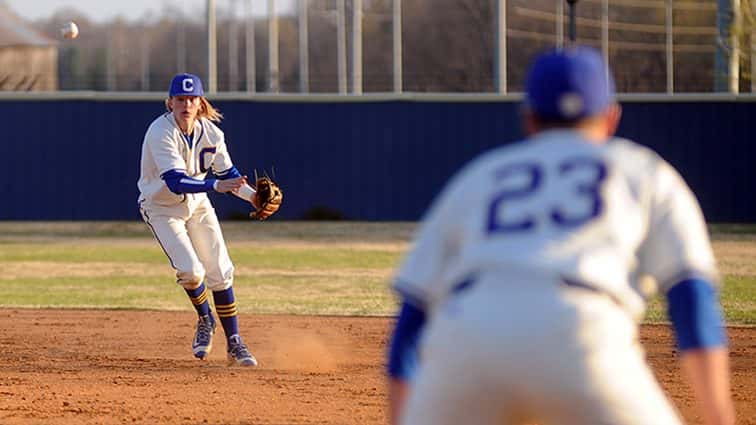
(448, 46)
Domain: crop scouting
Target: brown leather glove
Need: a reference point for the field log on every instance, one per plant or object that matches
(267, 198)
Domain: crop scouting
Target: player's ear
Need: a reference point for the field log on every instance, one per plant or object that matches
(529, 122)
(613, 116)
(168, 105)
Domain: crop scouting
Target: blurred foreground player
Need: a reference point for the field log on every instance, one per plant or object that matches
(521, 293)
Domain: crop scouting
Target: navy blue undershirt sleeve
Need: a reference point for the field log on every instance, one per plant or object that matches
(403, 349)
(231, 173)
(696, 316)
(178, 182)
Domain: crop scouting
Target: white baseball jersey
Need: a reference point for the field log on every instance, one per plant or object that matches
(185, 225)
(165, 149)
(551, 236)
(598, 215)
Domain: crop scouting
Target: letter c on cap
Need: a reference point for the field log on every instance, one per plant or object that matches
(188, 85)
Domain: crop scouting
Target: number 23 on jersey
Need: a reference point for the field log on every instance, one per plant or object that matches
(582, 178)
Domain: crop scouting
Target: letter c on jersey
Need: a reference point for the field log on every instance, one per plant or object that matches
(188, 85)
(206, 151)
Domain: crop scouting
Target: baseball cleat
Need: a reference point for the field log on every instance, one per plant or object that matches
(203, 337)
(238, 353)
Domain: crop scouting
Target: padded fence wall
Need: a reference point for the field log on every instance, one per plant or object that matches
(373, 160)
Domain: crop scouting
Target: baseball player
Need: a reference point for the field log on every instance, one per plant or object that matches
(521, 294)
(180, 148)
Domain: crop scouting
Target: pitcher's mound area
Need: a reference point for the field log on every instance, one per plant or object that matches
(115, 367)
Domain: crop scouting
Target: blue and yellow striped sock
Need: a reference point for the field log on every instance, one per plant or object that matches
(225, 306)
(199, 297)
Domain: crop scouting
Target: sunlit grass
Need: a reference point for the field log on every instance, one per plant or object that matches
(322, 268)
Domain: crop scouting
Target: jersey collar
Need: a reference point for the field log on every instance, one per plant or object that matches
(197, 132)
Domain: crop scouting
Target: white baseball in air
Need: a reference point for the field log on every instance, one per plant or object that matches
(70, 30)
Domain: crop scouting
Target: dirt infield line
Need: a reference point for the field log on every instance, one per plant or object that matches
(114, 367)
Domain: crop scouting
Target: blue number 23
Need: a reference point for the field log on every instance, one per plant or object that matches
(524, 180)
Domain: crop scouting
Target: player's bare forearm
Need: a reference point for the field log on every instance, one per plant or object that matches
(245, 192)
(708, 371)
(230, 184)
(398, 391)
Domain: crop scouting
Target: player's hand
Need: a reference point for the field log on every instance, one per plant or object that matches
(398, 394)
(224, 186)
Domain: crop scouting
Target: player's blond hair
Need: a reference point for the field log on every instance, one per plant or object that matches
(207, 110)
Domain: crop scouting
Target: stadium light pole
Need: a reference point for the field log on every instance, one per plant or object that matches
(734, 81)
(341, 46)
(752, 24)
(274, 78)
(726, 59)
(212, 49)
(605, 36)
(233, 48)
(357, 46)
(249, 44)
(501, 47)
(304, 48)
(110, 67)
(670, 48)
(573, 18)
(559, 24)
(397, 45)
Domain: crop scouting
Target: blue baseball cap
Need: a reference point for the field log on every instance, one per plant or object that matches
(186, 85)
(568, 85)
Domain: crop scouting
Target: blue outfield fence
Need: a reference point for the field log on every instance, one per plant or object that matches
(367, 158)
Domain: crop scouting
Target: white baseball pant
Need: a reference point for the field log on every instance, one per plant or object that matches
(191, 237)
(533, 352)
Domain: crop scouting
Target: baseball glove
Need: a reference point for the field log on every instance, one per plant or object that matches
(267, 198)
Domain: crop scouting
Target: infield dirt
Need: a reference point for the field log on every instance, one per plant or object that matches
(115, 367)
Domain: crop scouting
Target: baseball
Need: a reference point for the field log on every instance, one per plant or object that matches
(70, 30)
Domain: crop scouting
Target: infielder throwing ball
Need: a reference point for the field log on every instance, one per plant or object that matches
(179, 149)
(522, 288)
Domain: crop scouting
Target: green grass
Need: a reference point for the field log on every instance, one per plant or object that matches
(71, 252)
(259, 255)
(323, 268)
(272, 293)
(733, 229)
(318, 258)
(112, 292)
(316, 295)
(738, 297)
(56, 266)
